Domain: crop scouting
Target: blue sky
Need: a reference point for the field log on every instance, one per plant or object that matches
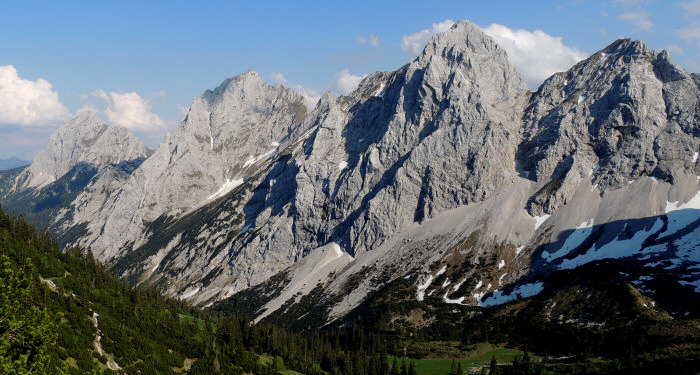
(140, 63)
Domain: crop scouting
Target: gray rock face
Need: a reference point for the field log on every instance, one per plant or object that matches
(85, 139)
(624, 113)
(227, 134)
(392, 153)
(448, 160)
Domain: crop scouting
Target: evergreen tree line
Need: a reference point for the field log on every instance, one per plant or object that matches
(55, 305)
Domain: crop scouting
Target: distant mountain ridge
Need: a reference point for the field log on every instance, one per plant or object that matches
(448, 172)
(13, 162)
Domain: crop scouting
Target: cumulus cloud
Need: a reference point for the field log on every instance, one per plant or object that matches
(674, 49)
(640, 19)
(344, 82)
(279, 77)
(129, 110)
(311, 96)
(182, 109)
(690, 33)
(29, 103)
(374, 41)
(536, 54)
(691, 8)
(361, 39)
(414, 43)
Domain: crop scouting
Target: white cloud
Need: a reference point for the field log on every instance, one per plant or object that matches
(182, 109)
(374, 41)
(361, 39)
(674, 49)
(536, 54)
(640, 19)
(692, 8)
(344, 82)
(311, 96)
(414, 43)
(29, 103)
(279, 77)
(690, 33)
(129, 110)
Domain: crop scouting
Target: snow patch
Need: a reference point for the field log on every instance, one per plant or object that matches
(457, 301)
(274, 144)
(681, 215)
(694, 202)
(342, 165)
(519, 249)
(442, 270)
(225, 188)
(251, 160)
(539, 220)
(695, 156)
(581, 98)
(617, 248)
(501, 264)
(574, 240)
(380, 92)
(594, 170)
(458, 285)
(446, 283)
(422, 288)
(522, 291)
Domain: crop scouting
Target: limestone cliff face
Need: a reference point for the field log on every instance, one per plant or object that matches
(226, 135)
(624, 113)
(85, 139)
(448, 167)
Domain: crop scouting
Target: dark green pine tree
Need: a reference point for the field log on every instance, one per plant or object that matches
(493, 368)
(395, 367)
(460, 371)
(412, 368)
(404, 370)
(26, 332)
(453, 368)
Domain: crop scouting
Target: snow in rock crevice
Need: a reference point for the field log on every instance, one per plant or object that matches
(225, 188)
(539, 220)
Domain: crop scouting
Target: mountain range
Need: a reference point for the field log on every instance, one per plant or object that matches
(12, 162)
(447, 176)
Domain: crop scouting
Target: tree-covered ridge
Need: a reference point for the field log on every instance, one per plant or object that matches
(75, 317)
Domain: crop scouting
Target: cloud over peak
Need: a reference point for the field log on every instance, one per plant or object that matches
(414, 43)
(29, 103)
(129, 110)
(525, 51)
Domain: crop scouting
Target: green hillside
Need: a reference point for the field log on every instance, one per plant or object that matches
(64, 313)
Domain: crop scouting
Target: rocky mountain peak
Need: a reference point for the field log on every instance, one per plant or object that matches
(227, 135)
(612, 116)
(85, 139)
(630, 47)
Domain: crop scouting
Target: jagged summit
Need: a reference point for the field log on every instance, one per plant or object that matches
(85, 139)
(227, 135)
(449, 163)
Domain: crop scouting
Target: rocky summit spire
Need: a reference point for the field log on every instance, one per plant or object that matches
(228, 133)
(85, 139)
